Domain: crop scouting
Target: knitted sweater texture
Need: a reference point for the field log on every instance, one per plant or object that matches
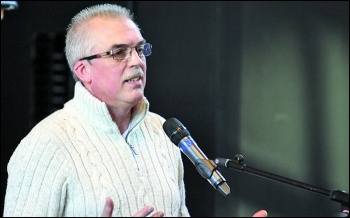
(76, 157)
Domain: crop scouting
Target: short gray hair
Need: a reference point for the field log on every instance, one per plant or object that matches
(77, 40)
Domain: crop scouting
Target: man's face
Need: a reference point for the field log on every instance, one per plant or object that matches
(117, 83)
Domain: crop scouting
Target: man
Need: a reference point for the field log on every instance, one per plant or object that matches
(104, 153)
(104, 143)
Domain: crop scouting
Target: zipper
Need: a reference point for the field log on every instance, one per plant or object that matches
(132, 148)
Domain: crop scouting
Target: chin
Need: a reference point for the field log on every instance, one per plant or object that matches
(137, 98)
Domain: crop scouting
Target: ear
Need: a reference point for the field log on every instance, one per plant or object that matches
(82, 71)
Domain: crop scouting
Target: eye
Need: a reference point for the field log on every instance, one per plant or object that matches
(119, 54)
(140, 50)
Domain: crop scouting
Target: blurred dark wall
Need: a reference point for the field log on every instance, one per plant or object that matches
(265, 79)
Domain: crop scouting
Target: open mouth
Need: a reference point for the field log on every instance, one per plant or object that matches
(134, 79)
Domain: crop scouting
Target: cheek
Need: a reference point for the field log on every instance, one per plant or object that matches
(107, 78)
(111, 81)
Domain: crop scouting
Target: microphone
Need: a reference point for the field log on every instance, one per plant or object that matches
(181, 137)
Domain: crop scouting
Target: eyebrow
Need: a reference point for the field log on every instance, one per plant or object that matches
(115, 46)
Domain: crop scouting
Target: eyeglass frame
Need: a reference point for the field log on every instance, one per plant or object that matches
(114, 50)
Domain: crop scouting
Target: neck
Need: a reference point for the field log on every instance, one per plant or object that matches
(122, 119)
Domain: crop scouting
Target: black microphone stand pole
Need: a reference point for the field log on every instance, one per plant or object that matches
(335, 195)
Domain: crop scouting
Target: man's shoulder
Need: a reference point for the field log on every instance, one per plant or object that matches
(154, 115)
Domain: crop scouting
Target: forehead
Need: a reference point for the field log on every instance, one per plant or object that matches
(106, 32)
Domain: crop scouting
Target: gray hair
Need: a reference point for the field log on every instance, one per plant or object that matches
(77, 40)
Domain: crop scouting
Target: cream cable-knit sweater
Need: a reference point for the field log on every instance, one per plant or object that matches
(76, 157)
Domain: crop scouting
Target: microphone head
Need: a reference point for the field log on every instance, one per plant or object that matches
(175, 130)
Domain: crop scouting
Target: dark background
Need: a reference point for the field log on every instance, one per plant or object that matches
(268, 80)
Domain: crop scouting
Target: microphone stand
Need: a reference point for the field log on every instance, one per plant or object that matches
(335, 195)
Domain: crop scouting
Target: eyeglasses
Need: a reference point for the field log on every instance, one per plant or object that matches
(124, 52)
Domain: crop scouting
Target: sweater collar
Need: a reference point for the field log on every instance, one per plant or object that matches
(95, 112)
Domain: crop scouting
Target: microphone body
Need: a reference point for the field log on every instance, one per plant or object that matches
(181, 137)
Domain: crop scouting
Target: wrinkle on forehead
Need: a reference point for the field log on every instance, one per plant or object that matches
(104, 32)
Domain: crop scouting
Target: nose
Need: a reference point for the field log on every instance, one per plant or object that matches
(134, 57)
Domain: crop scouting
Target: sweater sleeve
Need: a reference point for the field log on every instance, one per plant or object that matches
(36, 178)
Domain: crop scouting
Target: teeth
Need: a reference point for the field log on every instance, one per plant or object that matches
(134, 79)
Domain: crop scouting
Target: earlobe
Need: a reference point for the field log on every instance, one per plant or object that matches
(82, 71)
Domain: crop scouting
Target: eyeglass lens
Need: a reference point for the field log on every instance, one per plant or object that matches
(125, 53)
